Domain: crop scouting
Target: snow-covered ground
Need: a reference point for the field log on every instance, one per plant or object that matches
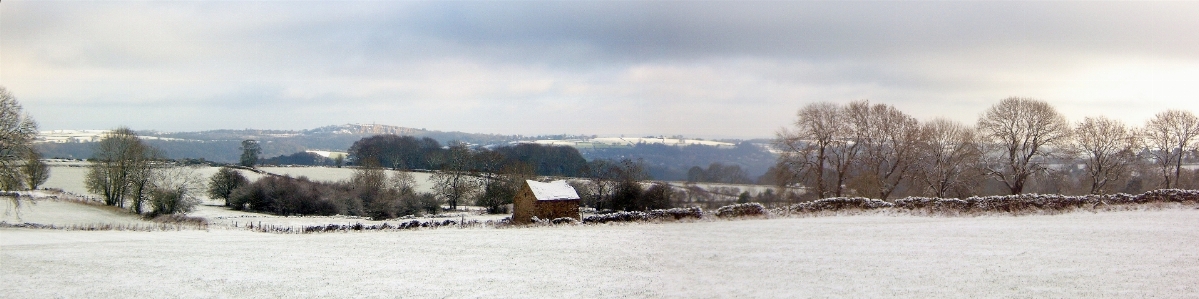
(70, 176)
(48, 209)
(1091, 255)
(220, 216)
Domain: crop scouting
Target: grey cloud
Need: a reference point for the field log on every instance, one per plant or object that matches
(638, 67)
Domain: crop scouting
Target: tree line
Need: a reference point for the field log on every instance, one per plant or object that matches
(492, 177)
(673, 163)
(408, 152)
(1017, 145)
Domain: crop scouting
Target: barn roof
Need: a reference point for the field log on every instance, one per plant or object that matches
(556, 190)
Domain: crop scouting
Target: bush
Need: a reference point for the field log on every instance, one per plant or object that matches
(677, 213)
(622, 216)
(564, 220)
(839, 204)
(171, 201)
(1015, 204)
(222, 183)
(741, 210)
(288, 196)
(665, 214)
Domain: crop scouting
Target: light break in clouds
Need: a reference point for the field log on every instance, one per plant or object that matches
(701, 69)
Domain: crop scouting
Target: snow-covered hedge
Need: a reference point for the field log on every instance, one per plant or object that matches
(838, 204)
(664, 214)
(741, 210)
(677, 213)
(621, 216)
(564, 220)
(1021, 203)
(1170, 195)
(1042, 202)
(362, 227)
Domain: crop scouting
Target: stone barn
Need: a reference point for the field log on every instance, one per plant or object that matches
(547, 201)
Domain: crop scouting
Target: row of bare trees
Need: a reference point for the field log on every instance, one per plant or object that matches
(128, 173)
(875, 150)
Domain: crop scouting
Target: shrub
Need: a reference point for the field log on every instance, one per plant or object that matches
(741, 210)
(222, 183)
(1015, 204)
(677, 213)
(564, 220)
(171, 201)
(288, 196)
(622, 216)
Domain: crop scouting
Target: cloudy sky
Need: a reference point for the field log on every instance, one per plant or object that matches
(699, 69)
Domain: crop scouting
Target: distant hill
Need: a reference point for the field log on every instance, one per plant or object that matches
(665, 158)
(222, 145)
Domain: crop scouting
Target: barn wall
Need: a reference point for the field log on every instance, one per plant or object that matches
(553, 209)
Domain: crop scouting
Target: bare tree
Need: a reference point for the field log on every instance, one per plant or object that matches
(121, 169)
(402, 181)
(174, 189)
(889, 141)
(1108, 148)
(500, 188)
(806, 150)
(851, 140)
(455, 181)
(950, 155)
(371, 188)
(602, 174)
(35, 172)
(1168, 135)
(17, 131)
(224, 181)
(1022, 130)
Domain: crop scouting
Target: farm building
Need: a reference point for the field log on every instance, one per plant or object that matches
(546, 201)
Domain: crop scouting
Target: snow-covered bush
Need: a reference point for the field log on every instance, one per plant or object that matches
(1169, 195)
(662, 214)
(932, 204)
(741, 210)
(838, 204)
(621, 216)
(564, 220)
(414, 224)
(677, 213)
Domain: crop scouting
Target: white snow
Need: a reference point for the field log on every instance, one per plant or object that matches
(66, 213)
(555, 190)
(1078, 255)
(70, 177)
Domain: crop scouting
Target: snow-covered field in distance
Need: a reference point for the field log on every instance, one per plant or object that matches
(70, 177)
(1090, 255)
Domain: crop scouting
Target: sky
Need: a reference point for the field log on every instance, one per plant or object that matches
(707, 69)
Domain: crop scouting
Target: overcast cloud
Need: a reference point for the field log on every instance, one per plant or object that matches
(702, 69)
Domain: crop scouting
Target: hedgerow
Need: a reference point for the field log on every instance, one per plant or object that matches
(741, 210)
(1014, 204)
(838, 204)
(662, 214)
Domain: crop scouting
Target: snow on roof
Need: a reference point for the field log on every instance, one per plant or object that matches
(556, 190)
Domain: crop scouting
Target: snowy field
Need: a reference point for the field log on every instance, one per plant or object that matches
(70, 177)
(66, 214)
(1082, 255)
